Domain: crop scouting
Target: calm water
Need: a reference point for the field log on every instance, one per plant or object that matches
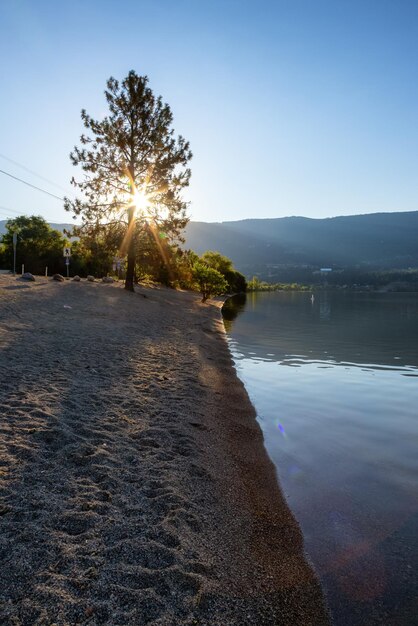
(335, 385)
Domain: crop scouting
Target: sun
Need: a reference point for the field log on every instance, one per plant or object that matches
(140, 201)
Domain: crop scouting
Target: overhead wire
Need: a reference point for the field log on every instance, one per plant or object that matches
(23, 167)
(4, 209)
(9, 214)
(6, 212)
(33, 186)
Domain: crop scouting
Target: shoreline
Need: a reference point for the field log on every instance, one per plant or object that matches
(254, 411)
(137, 489)
(273, 495)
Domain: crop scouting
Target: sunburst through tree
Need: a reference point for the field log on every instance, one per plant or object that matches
(135, 168)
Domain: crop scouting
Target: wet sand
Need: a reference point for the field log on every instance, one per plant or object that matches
(135, 487)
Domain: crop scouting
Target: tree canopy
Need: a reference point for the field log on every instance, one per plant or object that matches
(217, 261)
(210, 281)
(235, 280)
(38, 245)
(135, 169)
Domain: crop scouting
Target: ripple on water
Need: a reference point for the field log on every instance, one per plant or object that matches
(339, 422)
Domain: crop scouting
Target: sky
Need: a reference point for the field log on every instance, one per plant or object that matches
(291, 107)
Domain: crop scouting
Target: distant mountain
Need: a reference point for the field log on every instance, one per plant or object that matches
(268, 246)
(60, 227)
(283, 248)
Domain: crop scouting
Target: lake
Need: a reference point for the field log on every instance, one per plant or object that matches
(334, 380)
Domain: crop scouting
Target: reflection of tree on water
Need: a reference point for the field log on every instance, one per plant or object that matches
(232, 308)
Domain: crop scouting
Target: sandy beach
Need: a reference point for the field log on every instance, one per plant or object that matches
(135, 487)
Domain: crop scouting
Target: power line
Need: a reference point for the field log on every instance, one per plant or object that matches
(10, 214)
(5, 209)
(30, 185)
(23, 167)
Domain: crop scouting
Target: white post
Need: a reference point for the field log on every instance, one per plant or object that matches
(23, 269)
(46, 271)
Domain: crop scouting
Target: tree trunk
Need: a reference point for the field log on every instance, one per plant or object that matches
(130, 270)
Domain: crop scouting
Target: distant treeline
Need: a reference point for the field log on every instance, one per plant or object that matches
(403, 279)
(397, 279)
(255, 284)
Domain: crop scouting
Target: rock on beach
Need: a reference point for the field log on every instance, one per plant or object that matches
(27, 276)
(58, 277)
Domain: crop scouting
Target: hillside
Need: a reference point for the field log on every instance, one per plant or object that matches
(378, 240)
(60, 227)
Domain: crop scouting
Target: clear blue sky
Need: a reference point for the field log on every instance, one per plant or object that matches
(292, 107)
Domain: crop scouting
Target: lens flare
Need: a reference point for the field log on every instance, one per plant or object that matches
(140, 200)
(281, 429)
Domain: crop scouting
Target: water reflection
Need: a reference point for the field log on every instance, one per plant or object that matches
(324, 307)
(232, 308)
(345, 329)
(334, 386)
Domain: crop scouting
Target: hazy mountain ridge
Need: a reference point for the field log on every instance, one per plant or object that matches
(59, 227)
(378, 240)
(265, 246)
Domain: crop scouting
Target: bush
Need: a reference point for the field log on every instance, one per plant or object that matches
(210, 281)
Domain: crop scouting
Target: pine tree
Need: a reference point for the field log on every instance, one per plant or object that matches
(133, 164)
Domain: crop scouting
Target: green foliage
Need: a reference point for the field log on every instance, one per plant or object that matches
(156, 259)
(210, 281)
(255, 284)
(236, 281)
(94, 252)
(38, 245)
(217, 261)
(131, 150)
(3, 257)
(96, 248)
(183, 262)
(154, 255)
